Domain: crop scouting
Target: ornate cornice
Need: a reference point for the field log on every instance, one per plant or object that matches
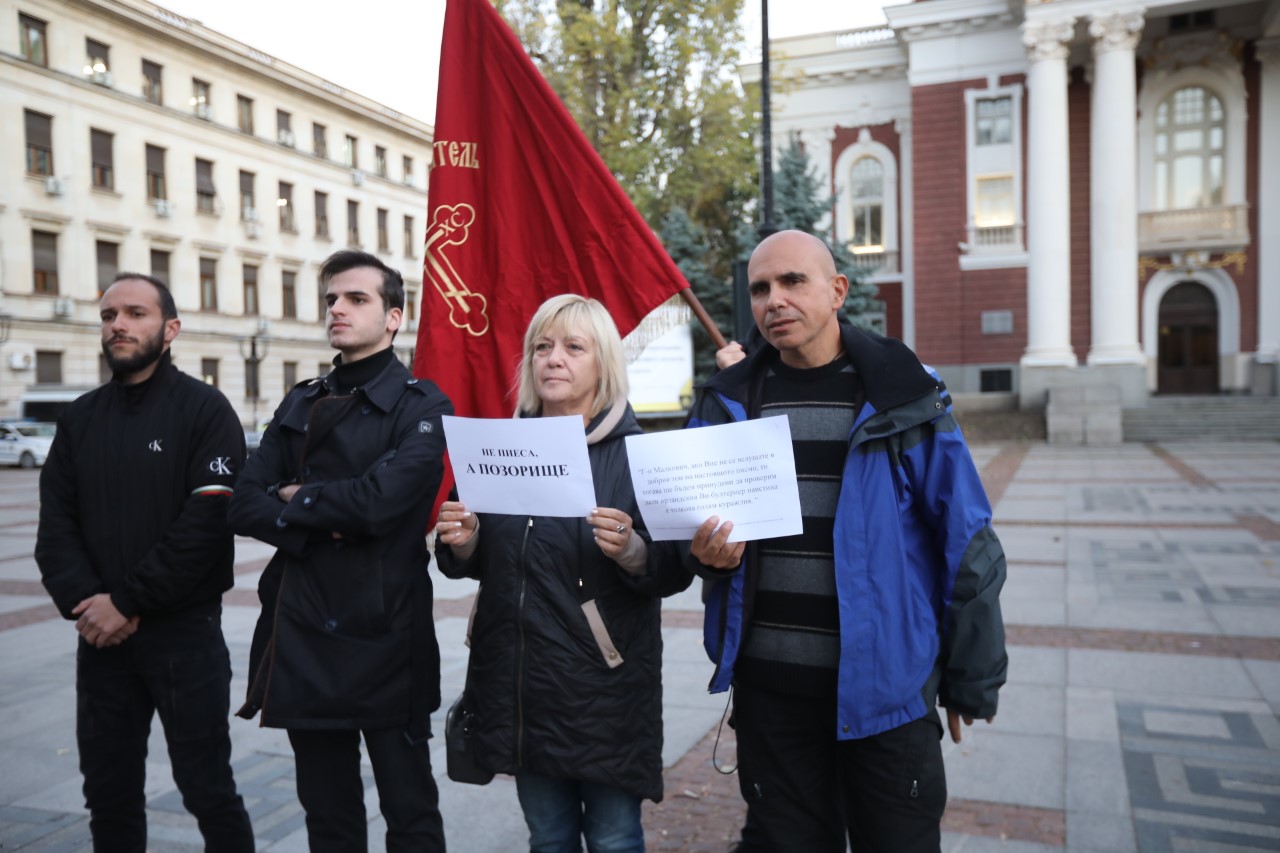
(1116, 30)
(1048, 39)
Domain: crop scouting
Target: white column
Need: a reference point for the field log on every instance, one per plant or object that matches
(1268, 52)
(1048, 199)
(1113, 189)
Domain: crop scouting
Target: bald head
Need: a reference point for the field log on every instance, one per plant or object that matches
(802, 243)
(796, 296)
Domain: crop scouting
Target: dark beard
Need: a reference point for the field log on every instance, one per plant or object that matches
(149, 352)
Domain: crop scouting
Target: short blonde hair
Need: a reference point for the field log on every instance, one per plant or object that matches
(571, 313)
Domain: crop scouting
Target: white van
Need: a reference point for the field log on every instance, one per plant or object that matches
(25, 444)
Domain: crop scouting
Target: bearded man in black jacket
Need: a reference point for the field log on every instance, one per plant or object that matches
(133, 545)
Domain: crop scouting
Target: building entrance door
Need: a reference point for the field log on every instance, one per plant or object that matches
(1188, 350)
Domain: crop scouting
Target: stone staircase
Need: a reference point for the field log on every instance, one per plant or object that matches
(1222, 418)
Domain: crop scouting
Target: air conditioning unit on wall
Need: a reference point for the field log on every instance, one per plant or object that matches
(52, 185)
(64, 306)
(22, 358)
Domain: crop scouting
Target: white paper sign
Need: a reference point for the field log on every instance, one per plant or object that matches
(521, 466)
(743, 472)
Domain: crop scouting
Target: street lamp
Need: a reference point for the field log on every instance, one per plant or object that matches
(767, 226)
(6, 320)
(253, 350)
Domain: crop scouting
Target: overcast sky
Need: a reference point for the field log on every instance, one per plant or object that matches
(389, 50)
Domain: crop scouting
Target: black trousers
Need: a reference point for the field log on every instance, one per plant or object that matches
(805, 790)
(332, 793)
(176, 667)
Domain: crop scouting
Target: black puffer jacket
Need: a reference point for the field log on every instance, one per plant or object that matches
(547, 699)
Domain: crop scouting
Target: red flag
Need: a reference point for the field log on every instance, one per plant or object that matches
(520, 208)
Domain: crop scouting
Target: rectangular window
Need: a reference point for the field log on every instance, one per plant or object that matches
(322, 310)
(289, 299)
(996, 380)
(994, 206)
(380, 160)
(44, 263)
(284, 128)
(410, 238)
(39, 143)
(322, 215)
(353, 224)
(384, 239)
(206, 195)
(325, 367)
(160, 264)
(108, 255)
(100, 152)
(408, 169)
(244, 114)
(349, 152)
(31, 39)
(319, 141)
(284, 203)
(248, 210)
(48, 367)
(201, 102)
(410, 303)
(290, 375)
(251, 378)
(250, 289)
(993, 122)
(209, 371)
(104, 372)
(208, 284)
(152, 82)
(97, 63)
(155, 174)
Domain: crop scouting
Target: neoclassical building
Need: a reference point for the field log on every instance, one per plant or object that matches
(1058, 192)
(136, 139)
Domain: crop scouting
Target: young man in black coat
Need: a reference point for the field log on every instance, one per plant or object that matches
(133, 546)
(342, 485)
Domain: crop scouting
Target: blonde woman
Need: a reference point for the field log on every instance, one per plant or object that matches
(566, 647)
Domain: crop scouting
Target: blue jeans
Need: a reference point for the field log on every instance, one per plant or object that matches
(560, 812)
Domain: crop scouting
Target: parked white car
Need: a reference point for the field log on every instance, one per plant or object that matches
(25, 444)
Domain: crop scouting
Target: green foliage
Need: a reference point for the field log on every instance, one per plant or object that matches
(687, 244)
(652, 85)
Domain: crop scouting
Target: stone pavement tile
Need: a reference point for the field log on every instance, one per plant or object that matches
(1090, 832)
(953, 842)
(1031, 544)
(12, 603)
(1156, 674)
(1266, 677)
(1023, 510)
(1037, 665)
(1033, 709)
(19, 570)
(1091, 715)
(1147, 617)
(1031, 611)
(1005, 767)
(1246, 621)
(1095, 778)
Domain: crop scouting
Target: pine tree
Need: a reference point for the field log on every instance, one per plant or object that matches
(799, 204)
(687, 244)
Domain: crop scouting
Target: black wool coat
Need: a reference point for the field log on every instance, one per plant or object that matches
(345, 639)
(546, 696)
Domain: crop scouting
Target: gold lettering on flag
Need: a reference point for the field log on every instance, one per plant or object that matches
(450, 226)
(450, 153)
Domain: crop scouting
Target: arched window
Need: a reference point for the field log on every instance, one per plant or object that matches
(866, 190)
(1190, 139)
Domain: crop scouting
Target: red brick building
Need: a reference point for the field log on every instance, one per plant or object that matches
(1063, 192)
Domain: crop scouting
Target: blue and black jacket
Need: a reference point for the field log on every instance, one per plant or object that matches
(918, 567)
